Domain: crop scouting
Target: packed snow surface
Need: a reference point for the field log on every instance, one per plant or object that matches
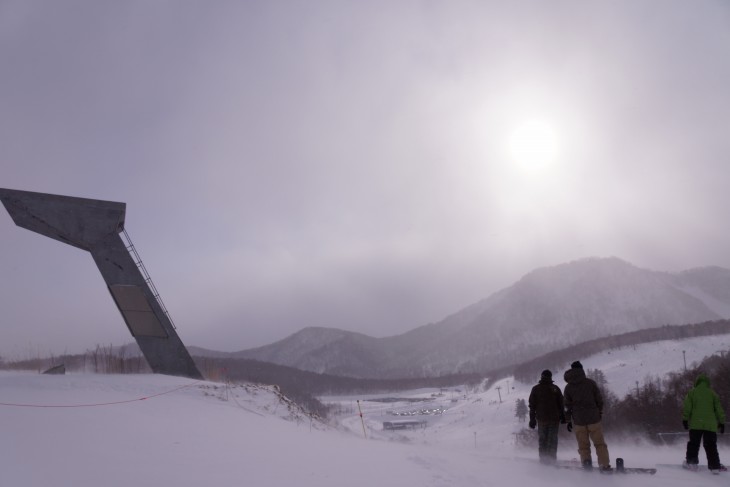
(149, 430)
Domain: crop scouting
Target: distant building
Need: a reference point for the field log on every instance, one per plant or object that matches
(404, 424)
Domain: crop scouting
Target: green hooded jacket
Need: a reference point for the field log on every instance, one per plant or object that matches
(702, 408)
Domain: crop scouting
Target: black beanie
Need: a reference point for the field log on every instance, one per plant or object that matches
(576, 365)
(546, 374)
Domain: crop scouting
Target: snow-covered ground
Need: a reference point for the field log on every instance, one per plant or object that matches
(149, 430)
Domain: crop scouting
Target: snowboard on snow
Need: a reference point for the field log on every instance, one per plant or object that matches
(620, 468)
(700, 468)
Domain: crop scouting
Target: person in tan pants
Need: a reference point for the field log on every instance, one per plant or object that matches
(584, 408)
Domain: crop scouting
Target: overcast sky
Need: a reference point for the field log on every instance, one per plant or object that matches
(371, 166)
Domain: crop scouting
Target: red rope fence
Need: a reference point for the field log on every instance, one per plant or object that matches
(96, 404)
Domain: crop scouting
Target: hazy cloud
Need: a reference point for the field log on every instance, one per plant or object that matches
(298, 163)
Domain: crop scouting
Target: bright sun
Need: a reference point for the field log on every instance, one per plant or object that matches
(533, 145)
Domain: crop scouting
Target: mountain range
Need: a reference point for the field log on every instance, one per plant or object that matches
(547, 309)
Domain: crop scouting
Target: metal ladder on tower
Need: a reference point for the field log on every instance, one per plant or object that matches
(138, 260)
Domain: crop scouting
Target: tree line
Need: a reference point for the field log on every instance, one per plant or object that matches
(654, 409)
(103, 359)
(556, 360)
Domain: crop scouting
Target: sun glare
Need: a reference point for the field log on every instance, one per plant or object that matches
(533, 145)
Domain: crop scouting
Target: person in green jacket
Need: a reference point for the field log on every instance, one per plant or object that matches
(703, 416)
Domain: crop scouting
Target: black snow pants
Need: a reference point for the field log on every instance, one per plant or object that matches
(709, 442)
(547, 436)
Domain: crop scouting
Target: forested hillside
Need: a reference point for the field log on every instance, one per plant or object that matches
(558, 359)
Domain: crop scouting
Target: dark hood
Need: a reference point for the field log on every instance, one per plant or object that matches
(573, 376)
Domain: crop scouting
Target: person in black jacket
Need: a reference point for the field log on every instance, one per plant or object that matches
(546, 412)
(584, 407)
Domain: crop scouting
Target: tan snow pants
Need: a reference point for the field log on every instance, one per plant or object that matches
(586, 434)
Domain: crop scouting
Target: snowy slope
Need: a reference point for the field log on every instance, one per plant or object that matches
(149, 430)
(484, 420)
(625, 366)
(482, 412)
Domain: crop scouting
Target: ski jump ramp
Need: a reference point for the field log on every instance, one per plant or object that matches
(97, 227)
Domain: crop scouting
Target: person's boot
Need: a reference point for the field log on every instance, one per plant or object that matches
(587, 464)
(716, 469)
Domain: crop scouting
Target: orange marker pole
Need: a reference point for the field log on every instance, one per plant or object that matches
(362, 420)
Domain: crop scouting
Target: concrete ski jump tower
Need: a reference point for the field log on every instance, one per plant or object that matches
(97, 226)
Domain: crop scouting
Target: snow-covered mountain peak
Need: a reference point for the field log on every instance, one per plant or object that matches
(547, 309)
